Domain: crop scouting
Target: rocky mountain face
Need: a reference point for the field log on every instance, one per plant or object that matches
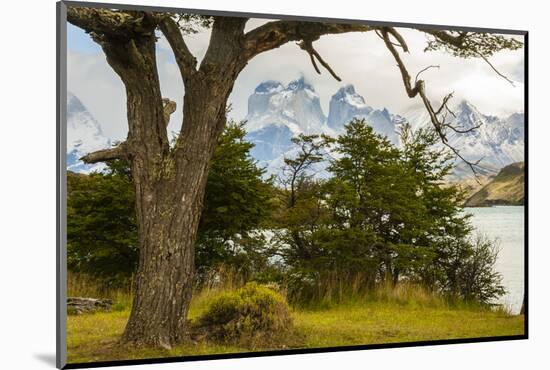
(84, 135)
(295, 106)
(277, 112)
(346, 104)
(506, 188)
(498, 141)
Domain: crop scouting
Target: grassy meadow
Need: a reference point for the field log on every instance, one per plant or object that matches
(385, 315)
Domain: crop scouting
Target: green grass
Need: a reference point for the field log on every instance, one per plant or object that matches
(387, 316)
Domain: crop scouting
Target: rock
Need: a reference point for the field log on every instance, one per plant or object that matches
(79, 305)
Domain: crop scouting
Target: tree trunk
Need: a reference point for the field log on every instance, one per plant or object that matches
(169, 182)
(168, 219)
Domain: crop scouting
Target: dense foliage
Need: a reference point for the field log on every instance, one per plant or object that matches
(381, 215)
(102, 234)
(102, 231)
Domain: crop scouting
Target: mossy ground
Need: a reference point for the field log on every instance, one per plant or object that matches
(93, 337)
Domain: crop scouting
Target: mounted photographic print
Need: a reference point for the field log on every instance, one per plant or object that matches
(235, 185)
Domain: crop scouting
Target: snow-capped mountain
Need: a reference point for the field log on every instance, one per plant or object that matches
(83, 136)
(296, 106)
(498, 142)
(276, 113)
(346, 104)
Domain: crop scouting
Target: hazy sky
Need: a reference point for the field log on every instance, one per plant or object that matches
(358, 58)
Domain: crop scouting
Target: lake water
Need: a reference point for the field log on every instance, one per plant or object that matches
(505, 224)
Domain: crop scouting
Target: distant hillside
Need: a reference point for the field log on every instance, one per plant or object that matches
(507, 188)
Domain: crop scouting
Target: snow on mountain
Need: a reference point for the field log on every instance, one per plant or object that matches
(346, 104)
(84, 135)
(296, 106)
(276, 113)
(498, 142)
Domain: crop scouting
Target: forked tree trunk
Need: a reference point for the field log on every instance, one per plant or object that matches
(170, 182)
(168, 220)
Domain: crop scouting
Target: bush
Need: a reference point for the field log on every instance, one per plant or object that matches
(252, 315)
(477, 278)
(469, 271)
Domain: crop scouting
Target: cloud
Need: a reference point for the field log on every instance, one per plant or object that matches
(358, 58)
(95, 83)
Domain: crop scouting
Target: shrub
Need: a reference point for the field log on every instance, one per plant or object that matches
(477, 278)
(252, 315)
(469, 271)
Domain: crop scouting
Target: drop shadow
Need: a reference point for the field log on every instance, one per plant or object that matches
(47, 358)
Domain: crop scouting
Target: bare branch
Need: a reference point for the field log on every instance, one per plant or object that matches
(444, 104)
(463, 131)
(382, 38)
(187, 63)
(418, 89)
(118, 152)
(392, 31)
(412, 91)
(496, 70)
(308, 47)
(424, 70)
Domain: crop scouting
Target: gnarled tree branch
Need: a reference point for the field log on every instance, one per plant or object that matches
(169, 107)
(121, 151)
(226, 41)
(118, 152)
(307, 45)
(187, 63)
(277, 33)
(112, 22)
(419, 89)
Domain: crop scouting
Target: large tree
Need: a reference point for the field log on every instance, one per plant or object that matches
(170, 180)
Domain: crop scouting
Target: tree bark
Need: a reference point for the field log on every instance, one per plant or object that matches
(170, 188)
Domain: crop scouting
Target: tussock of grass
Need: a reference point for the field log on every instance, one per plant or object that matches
(253, 315)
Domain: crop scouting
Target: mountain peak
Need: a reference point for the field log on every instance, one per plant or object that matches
(296, 106)
(300, 84)
(84, 135)
(348, 89)
(74, 105)
(269, 87)
(465, 106)
(348, 95)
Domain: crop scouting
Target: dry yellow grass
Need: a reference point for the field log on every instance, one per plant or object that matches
(386, 316)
